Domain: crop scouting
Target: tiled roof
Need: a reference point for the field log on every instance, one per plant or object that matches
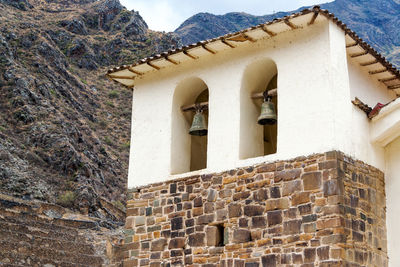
(367, 57)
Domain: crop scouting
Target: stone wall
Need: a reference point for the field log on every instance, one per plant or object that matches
(322, 210)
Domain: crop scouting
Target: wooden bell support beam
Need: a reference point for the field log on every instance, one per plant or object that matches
(272, 92)
(193, 107)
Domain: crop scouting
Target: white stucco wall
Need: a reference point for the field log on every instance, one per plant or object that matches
(316, 84)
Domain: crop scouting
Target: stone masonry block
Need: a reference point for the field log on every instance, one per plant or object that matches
(292, 227)
(275, 204)
(274, 217)
(300, 198)
(175, 243)
(261, 194)
(234, 210)
(213, 236)
(269, 260)
(140, 220)
(197, 240)
(158, 245)
(177, 223)
(287, 175)
(205, 219)
(291, 187)
(212, 195)
(241, 236)
(312, 180)
(258, 222)
(253, 210)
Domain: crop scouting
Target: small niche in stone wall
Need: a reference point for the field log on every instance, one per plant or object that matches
(215, 235)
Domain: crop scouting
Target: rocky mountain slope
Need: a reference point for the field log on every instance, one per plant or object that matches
(377, 22)
(64, 128)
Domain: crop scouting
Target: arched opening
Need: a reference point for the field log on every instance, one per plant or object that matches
(188, 152)
(257, 140)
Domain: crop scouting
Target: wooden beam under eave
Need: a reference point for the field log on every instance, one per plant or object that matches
(393, 87)
(352, 45)
(248, 38)
(227, 43)
(290, 24)
(314, 17)
(373, 72)
(369, 63)
(388, 79)
(208, 49)
(120, 77)
(189, 55)
(134, 71)
(153, 66)
(171, 60)
(359, 54)
(270, 33)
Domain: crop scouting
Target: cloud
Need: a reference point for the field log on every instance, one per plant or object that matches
(167, 15)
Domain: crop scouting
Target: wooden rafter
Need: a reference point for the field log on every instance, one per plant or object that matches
(290, 24)
(369, 63)
(270, 33)
(388, 79)
(359, 54)
(208, 49)
(373, 72)
(153, 66)
(227, 43)
(135, 71)
(314, 17)
(171, 60)
(120, 77)
(248, 38)
(189, 55)
(351, 45)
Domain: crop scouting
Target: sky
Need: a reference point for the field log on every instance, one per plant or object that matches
(167, 15)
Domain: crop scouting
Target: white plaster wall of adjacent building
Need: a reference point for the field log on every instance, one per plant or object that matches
(392, 183)
(385, 133)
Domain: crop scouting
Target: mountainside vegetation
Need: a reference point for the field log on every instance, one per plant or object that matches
(377, 22)
(65, 128)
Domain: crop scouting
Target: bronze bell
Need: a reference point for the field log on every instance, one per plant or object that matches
(198, 127)
(268, 113)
